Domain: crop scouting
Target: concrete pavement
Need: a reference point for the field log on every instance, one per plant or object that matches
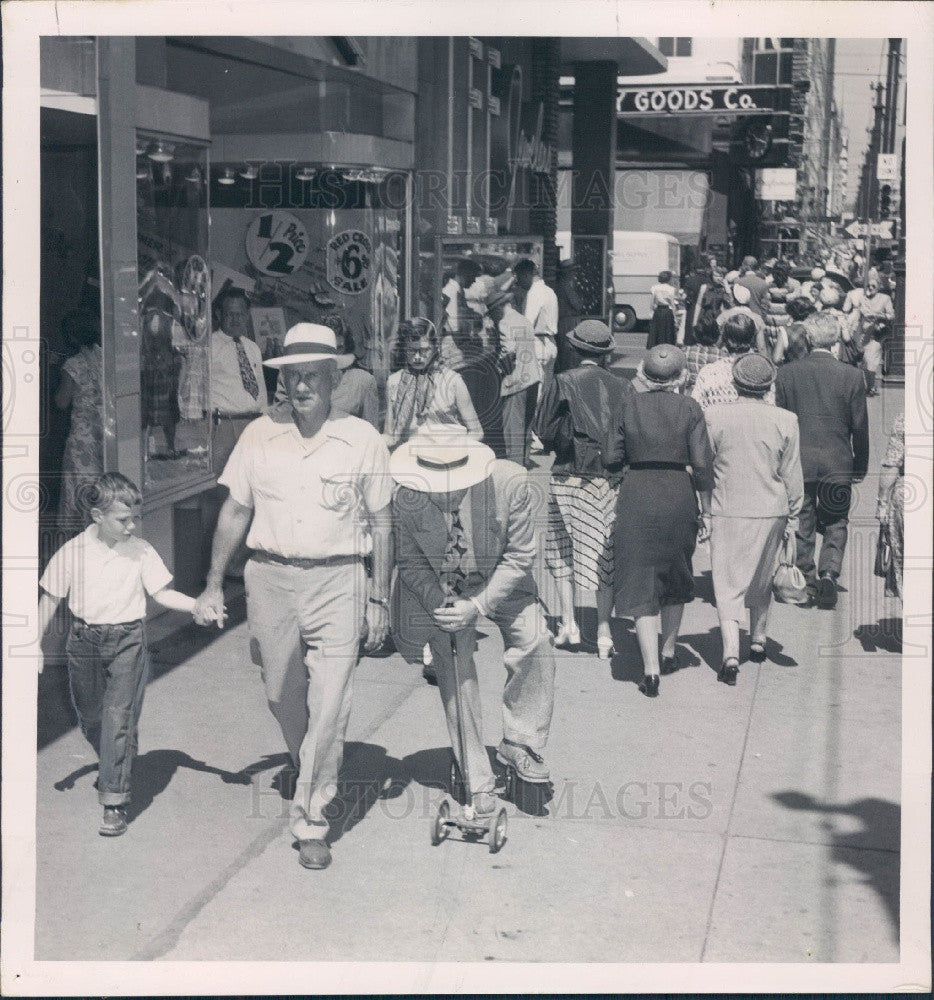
(756, 823)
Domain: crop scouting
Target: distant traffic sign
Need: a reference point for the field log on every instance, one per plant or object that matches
(857, 229)
(881, 230)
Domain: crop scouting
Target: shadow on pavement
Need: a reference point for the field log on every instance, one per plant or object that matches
(415, 783)
(154, 770)
(883, 636)
(881, 825)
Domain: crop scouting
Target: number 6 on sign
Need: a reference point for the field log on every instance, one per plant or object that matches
(349, 261)
(276, 243)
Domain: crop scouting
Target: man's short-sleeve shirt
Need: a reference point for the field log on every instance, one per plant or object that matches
(105, 585)
(310, 496)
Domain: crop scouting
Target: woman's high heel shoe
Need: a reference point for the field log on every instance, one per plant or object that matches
(729, 671)
(757, 651)
(605, 649)
(568, 635)
(649, 685)
(670, 664)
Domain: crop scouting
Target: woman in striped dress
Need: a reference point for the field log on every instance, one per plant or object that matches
(578, 410)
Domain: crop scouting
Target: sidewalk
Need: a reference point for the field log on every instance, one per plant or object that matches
(711, 824)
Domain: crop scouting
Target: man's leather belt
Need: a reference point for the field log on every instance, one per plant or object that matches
(273, 557)
(668, 466)
(218, 416)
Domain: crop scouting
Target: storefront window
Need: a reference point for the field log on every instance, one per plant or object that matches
(174, 310)
(313, 243)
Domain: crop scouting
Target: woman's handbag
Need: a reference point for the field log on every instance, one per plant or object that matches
(788, 583)
(883, 562)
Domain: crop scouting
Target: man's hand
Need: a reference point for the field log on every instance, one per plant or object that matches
(377, 626)
(459, 615)
(209, 607)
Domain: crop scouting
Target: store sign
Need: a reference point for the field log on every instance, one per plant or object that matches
(276, 243)
(776, 184)
(517, 132)
(887, 167)
(690, 99)
(349, 261)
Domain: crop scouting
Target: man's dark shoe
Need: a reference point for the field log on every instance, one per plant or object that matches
(114, 822)
(826, 593)
(313, 854)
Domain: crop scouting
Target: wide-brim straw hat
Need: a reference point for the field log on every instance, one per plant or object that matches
(753, 373)
(592, 336)
(441, 458)
(307, 342)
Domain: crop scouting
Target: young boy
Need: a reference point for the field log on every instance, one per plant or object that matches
(105, 574)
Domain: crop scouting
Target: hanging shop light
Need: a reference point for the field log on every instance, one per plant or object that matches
(249, 172)
(162, 152)
(305, 174)
(227, 177)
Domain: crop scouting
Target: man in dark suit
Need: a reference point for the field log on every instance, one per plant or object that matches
(829, 399)
(465, 547)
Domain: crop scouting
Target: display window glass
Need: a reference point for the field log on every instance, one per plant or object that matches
(174, 310)
(314, 244)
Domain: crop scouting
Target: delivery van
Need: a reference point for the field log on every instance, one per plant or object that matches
(636, 260)
(634, 266)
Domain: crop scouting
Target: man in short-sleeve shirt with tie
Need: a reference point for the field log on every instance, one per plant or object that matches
(312, 488)
(238, 391)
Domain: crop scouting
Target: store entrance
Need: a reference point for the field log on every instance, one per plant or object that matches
(70, 419)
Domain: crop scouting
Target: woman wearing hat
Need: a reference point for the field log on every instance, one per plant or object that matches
(757, 494)
(662, 327)
(662, 437)
(577, 413)
(425, 391)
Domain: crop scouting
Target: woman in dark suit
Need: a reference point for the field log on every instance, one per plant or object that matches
(663, 439)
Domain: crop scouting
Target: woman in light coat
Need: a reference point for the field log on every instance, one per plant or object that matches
(757, 493)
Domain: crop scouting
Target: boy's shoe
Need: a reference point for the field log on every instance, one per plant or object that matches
(313, 854)
(114, 822)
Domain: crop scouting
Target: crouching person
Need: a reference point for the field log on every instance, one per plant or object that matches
(465, 548)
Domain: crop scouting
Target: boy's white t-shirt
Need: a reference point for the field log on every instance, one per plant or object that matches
(104, 585)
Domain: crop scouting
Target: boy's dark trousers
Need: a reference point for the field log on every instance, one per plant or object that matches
(108, 668)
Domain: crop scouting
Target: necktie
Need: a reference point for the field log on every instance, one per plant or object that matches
(247, 375)
(452, 566)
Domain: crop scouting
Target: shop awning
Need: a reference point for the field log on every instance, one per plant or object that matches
(634, 56)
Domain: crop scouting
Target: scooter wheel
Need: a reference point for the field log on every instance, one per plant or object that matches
(440, 829)
(498, 832)
(455, 782)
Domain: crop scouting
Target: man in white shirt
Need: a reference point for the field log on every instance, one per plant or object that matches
(541, 310)
(522, 374)
(238, 389)
(312, 488)
(238, 395)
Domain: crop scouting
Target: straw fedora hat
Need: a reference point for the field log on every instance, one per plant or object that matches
(307, 342)
(441, 458)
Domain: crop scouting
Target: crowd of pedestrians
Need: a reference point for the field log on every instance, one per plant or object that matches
(416, 523)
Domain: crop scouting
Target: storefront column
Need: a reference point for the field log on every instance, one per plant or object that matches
(594, 148)
(116, 69)
(545, 87)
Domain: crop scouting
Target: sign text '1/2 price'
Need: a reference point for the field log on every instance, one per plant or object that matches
(276, 243)
(349, 261)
